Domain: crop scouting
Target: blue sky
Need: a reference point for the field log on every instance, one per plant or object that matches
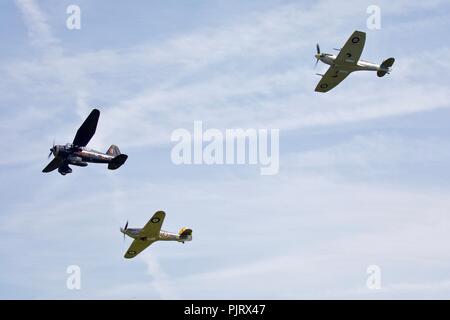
(363, 175)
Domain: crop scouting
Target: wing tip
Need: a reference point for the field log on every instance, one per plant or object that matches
(321, 90)
(160, 213)
(95, 113)
(130, 254)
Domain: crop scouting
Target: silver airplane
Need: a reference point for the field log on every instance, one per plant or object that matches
(151, 233)
(347, 61)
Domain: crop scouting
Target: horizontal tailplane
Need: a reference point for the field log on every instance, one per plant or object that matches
(185, 234)
(385, 67)
(117, 161)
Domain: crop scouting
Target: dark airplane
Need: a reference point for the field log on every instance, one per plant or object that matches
(77, 154)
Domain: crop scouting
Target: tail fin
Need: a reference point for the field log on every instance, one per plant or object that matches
(385, 67)
(117, 161)
(113, 151)
(185, 234)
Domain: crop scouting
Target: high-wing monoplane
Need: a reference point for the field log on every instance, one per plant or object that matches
(77, 154)
(151, 233)
(347, 61)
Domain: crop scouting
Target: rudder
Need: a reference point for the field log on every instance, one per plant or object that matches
(185, 234)
(113, 150)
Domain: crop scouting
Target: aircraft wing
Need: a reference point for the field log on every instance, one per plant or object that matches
(153, 227)
(54, 164)
(331, 79)
(87, 129)
(136, 247)
(351, 51)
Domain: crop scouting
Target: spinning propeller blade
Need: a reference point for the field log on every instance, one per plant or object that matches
(317, 55)
(125, 229)
(51, 150)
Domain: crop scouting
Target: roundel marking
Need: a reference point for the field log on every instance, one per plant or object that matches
(132, 252)
(355, 39)
(155, 220)
(324, 85)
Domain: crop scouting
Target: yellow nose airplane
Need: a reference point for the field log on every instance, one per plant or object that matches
(151, 233)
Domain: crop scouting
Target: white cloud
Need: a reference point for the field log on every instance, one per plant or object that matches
(38, 28)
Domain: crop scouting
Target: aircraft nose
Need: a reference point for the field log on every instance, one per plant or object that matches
(55, 150)
(317, 56)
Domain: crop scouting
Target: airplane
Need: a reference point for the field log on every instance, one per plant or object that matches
(151, 233)
(348, 61)
(77, 154)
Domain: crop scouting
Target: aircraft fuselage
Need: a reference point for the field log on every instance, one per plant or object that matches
(163, 235)
(349, 65)
(80, 156)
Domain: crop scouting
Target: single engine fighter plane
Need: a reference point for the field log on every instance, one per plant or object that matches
(151, 233)
(77, 154)
(348, 61)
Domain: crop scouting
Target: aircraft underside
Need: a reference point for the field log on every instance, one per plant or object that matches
(360, 66)
(346, 62)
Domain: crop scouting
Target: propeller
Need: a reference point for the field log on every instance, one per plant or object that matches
(125, 229)
(52, 149)
(317, 55)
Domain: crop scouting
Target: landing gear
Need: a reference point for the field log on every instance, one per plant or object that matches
(64, 170)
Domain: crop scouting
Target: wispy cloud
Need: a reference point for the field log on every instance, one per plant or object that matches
(39, 30)
(221, 75)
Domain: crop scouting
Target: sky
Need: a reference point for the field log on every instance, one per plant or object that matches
(364, 169)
